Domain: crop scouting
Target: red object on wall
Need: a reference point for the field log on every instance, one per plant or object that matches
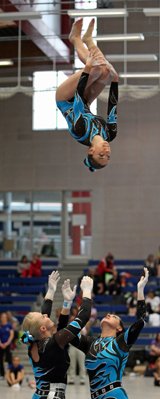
(65, 22)
(80, 208)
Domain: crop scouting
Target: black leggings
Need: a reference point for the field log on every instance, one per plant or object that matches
(7, 352)
(157, 383)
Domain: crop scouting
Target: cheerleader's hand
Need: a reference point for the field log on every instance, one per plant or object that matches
(53, 281)
(144, 280)
(68, 293)
(52, 285)
(87, 286)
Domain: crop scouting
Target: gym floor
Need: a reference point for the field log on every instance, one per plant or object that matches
(136, 387)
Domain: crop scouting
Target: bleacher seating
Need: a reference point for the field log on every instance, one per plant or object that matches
(122, 262)
(22, 281)
(111, 308)
(146, 330)
(141, 341)
(125, 318)
(8, 268)
(19, 294)
(133, 266)
(134, 288)
(17, 298)
(15, 308)
(23, 289)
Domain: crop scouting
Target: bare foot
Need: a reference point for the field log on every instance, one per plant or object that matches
(88, 35)
(76, 30)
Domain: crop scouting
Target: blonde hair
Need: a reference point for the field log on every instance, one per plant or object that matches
(32, 325)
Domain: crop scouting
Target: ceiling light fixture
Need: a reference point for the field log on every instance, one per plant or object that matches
(19, 16)
(119, 37)
(139, 75)
(103, 12)
(151, 12)
(131, 57)
(6, 62)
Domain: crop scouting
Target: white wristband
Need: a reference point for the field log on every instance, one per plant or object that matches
(67, 304)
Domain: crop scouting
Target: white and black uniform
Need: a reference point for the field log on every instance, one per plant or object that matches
(54, 359)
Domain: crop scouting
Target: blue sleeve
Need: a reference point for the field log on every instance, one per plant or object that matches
(10, 326)
(21, 367)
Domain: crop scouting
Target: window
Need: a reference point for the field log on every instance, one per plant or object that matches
(46, 116)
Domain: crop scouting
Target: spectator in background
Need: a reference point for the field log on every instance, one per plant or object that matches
(34, 269)
(152, 302)
(74, 311)
(153, 308)
(78, 299)
(132, 304)
(151, 266)
(15, 373)
(6, 337)
(49, 250)
(158, 262)
(155, 349)
(15, 323)
(93, 318)
(105, 265)
(23, 265)
(113, 286)
(98, 286)
(156, 373)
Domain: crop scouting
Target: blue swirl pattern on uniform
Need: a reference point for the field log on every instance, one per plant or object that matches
(82, 123)
(107, 367)
(106, 358)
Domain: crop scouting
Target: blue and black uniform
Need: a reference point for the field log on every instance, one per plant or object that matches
(82, 124)
(54, 359)
(106, 358)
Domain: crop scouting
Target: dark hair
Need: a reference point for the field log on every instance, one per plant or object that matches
(151, 291)
(123, 329)
(24, 256)
(92, 164)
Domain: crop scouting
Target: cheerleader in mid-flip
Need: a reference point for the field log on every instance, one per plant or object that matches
(75, 95)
